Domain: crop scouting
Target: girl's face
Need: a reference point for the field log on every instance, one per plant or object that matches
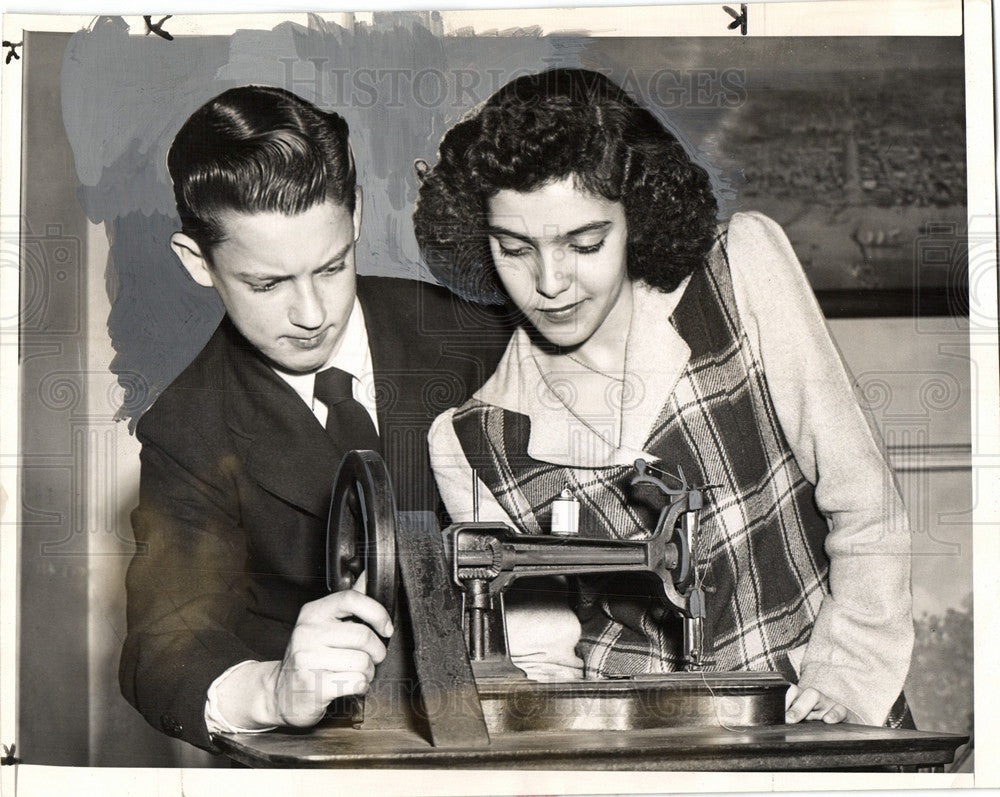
(560, 253)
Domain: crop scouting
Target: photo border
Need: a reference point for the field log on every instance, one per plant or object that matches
(881, 18)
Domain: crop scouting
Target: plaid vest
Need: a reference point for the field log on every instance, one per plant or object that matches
(761, 545)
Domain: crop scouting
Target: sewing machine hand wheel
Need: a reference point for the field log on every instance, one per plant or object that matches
(361, 528)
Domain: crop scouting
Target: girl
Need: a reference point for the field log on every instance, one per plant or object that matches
(648, 330)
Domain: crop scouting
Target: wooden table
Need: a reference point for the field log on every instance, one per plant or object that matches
(806, 746)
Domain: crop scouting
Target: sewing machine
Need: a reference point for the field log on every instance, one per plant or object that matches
(483, 560)
(448, 693)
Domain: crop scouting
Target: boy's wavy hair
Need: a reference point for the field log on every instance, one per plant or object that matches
(257, 149)
(548, 126)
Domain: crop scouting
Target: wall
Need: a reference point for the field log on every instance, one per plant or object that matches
(80, 468)
(917, 384)
(917, 377)
(54, 692)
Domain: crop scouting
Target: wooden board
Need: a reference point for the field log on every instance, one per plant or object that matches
(806, 746)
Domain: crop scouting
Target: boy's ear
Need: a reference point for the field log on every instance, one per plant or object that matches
(192, 258)
(358, 203)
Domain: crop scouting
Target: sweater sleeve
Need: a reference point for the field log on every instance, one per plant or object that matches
(860, 646)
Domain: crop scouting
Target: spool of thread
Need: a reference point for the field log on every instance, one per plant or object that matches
(566, 514)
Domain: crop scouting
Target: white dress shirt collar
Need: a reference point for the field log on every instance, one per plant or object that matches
(351, 354)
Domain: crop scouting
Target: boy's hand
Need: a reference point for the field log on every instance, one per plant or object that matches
(332, 652)
(811, 704)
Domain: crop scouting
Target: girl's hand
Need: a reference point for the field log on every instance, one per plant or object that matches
(811, 704)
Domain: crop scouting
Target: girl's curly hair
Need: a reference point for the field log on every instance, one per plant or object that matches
(549, 126)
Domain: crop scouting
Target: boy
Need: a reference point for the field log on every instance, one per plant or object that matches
(229, 628)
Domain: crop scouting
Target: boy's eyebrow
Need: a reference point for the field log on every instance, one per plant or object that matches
(262, 276)
(593, 226)
(265, 277)
(335, 259)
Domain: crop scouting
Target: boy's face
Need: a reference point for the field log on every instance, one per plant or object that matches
(287, 282)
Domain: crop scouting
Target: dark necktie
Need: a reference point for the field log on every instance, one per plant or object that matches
(347, 421)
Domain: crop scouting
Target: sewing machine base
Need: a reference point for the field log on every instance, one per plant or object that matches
(732, 700)
(728, 700)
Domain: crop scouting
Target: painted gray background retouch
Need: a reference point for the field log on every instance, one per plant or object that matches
(400, 85)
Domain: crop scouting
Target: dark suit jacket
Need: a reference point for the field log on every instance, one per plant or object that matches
(235, 487)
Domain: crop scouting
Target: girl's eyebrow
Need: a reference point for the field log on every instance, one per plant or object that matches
(494, 230)
(593, 226)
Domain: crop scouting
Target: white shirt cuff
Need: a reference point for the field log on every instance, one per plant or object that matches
(214, 720)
